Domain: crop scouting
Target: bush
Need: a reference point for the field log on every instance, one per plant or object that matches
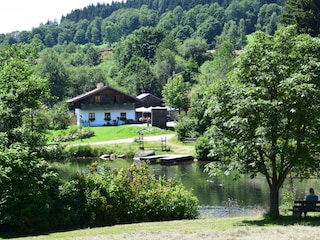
(96, 151)
(117, 196)
(203, 148)
(186, 128)
(40, 202)
(74, 134)
(54, 153)
(60, 116)
(28, 191)
(82, 151)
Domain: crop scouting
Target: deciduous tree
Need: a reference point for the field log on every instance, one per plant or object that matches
(266, 118)
(53, 68)
(175, 92)
(20, 89)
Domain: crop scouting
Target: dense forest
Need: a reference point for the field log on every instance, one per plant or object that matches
(152, 40)
(107, 24)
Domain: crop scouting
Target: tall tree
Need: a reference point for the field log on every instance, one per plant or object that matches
(141, 43)
(268, 18)
(305, 14)
(211, 73)
(266, 118)
(175, 92)
(20, 89)
(195, 49)
(52, 68)
(137, 77)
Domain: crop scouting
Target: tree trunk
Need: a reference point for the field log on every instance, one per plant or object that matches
(274, 201)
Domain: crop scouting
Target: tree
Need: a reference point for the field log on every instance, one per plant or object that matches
(20, 89)
(175, 92)
(138, 78)
(93, 57)
(141, 43)
(196, 49)
(305, 14)
(268, 18)
(80, 37)
(52, 68)
(208, 30)
(234, 34)
(60, 116)
(266, 118)
(164, 67)
(223, 60)
(211, 73)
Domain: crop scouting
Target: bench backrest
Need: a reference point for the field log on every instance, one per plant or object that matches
(301, 202)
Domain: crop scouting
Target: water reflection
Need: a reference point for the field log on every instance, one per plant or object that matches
(218, 191)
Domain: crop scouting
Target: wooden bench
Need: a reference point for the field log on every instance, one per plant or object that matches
(301, 207)
(189, 140)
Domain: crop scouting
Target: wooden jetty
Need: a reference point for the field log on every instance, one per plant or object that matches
(167, 159)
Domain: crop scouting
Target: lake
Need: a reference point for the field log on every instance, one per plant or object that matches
(217, 195)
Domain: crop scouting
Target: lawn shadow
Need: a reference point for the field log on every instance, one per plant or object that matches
(284, 221)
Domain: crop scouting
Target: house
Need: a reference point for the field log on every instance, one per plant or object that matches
(103, 106)
(149, 100)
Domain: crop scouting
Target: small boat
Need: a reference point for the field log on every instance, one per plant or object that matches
(105, 157)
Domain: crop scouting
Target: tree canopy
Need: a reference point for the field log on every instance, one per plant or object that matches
(20, 89)
(266, 117)
(108, 24)
(175, 92)
(305, 14)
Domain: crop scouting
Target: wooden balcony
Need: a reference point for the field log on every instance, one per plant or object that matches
(108, 106)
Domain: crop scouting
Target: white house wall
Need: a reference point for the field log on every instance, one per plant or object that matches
(83, 115)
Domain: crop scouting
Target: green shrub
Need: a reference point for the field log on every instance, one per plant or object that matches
(55, 153)
(186, 128)
(28, 192)
(81, 151)
(75, 133)
(97, 151)
(117, 196)
(202, 148)
(71, 210)
(159, 199)
(42, 203)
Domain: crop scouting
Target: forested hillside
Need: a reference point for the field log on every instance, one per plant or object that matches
(107, 24)
(152, 41)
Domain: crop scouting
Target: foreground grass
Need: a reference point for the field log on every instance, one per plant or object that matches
(183, 226)
(247, 227)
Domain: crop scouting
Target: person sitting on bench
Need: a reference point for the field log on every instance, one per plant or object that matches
(312, 199)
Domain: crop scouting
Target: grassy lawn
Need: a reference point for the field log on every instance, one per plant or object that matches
(109, 133)
(246, 227)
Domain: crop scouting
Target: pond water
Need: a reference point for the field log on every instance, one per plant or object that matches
(217, 195)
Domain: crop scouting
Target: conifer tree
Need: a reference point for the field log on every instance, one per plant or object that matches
(305, 14)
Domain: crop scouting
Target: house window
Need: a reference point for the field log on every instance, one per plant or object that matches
(123, 116)
(107, 116)
(92, 116)
(97, 99)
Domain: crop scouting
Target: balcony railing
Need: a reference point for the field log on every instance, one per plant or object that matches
(105, 106)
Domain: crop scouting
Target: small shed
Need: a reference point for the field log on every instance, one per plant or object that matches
(159, 117)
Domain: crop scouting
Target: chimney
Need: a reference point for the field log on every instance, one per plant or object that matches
(100, 85)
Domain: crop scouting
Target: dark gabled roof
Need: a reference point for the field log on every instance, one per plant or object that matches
(97, 90)
(143, 95)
